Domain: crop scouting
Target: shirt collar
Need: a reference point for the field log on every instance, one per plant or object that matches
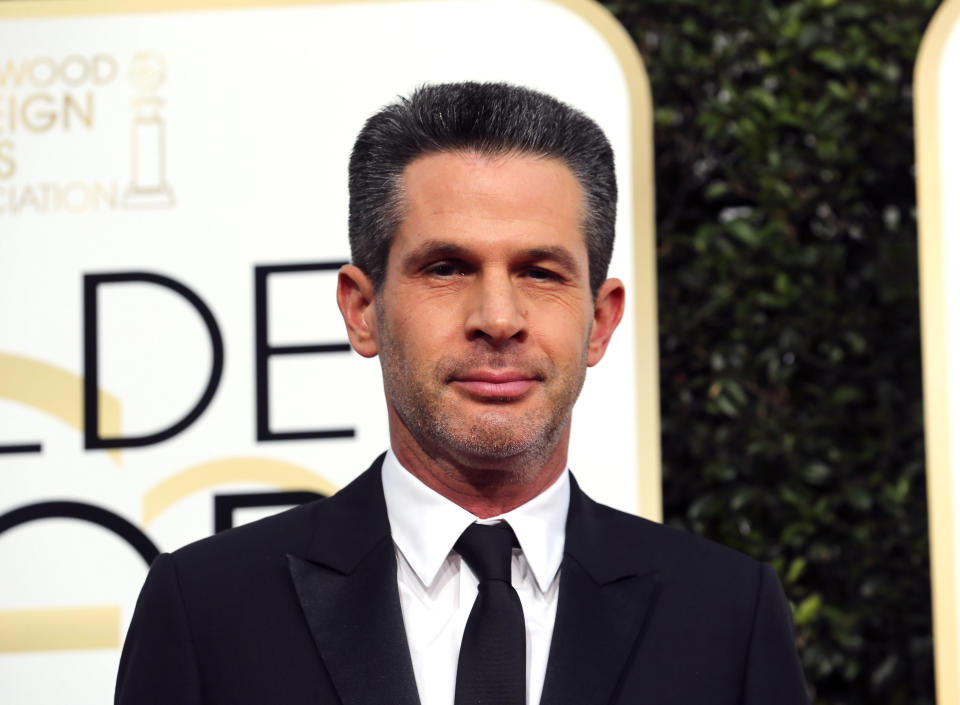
(425, 525)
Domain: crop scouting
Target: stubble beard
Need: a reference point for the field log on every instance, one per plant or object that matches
(492, 438)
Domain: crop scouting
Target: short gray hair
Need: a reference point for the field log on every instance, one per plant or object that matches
(487, 118)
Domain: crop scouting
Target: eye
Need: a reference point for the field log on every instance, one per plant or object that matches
(445, 268)
(540, 274)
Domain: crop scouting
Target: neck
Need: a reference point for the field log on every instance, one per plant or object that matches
(485, 487)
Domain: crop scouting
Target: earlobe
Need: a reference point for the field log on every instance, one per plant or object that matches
(356, 300)
(607, 312)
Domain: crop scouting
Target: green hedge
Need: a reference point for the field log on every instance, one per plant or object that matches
(789, 314)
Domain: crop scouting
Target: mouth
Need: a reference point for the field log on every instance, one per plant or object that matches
(495, 385)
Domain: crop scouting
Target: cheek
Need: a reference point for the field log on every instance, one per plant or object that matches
(563, 340)
(564, 320)
(422, 332)
(567, 307)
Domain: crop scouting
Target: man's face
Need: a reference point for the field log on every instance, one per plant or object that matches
(483, 323)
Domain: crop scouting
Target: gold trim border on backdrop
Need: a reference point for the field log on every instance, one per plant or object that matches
(647, 392)
(60, 629)
(57, 392)
(936, 368)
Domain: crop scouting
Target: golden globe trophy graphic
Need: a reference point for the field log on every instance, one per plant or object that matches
(148, 182)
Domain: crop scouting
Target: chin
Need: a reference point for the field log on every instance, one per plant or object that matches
(500, 444)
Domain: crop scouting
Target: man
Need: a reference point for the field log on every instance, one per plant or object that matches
(481, 227)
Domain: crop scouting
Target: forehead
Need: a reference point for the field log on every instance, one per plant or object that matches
(485, 200)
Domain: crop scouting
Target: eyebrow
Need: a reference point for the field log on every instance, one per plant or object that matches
(433, 249)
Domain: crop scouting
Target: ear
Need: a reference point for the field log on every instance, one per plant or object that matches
(607, 312)
(356, 301)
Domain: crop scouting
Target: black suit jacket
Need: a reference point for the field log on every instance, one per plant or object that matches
(303, 609)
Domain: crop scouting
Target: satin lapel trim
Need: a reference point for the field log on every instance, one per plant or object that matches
(357, 625)
(596, 630)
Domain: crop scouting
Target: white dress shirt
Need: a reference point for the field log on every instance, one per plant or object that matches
(437, 589)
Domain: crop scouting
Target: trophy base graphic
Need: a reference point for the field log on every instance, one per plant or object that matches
(153, 197)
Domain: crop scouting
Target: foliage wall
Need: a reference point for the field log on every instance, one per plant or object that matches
(789, 314)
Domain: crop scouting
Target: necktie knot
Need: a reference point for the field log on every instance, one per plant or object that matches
(487, 549)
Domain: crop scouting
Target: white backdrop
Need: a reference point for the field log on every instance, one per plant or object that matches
(151, 163)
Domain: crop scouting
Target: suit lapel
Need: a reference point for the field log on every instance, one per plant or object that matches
(347, 587)
(605, 595)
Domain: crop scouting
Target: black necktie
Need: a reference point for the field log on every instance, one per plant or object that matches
(492, 666)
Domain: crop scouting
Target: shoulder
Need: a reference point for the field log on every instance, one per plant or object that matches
(286, 532)
(701, 586)
(296, 531)
(717, 623)
(611, 544)
(671, 547)
(635, 539)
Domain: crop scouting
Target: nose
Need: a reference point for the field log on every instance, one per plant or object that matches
(496, 312)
